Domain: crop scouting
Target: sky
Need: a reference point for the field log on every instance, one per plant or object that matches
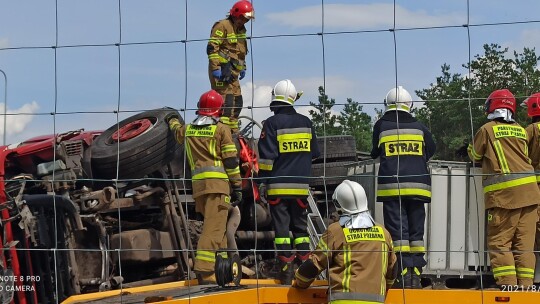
(138, 55)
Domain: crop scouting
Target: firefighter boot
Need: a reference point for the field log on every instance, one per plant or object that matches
(206, 278)
(416, 282)
(537, 270)
(403, 280)
(286, 270)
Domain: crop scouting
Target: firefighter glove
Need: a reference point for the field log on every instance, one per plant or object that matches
(236, 197)
(217, 73)
(462, 151)
(170, 116)
(242, 74)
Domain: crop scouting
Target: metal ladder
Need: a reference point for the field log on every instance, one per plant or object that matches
(315, 223)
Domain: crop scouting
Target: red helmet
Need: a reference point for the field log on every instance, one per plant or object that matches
(242, 8)
(210, 104)
(500, 99)
(533, 105)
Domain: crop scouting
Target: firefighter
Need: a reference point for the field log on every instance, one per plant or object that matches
(404, 146)
(287, 146)
(533, 135)
(212, 157)
(227, 50)
(357, 252)
(511, 195)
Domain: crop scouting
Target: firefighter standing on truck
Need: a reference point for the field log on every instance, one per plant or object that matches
(404, 146)
(357, 252)
(511, 195)
(227, 50)
(287, 146)
(212, 158)
(533, 135)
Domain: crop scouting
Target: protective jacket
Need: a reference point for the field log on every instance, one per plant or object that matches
(207, 147)
(533, 137)
(398, 133)
(287, 146)
(227, 49)
(360, 264)
(508, 176)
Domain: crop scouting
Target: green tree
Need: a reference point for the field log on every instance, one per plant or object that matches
(355, 122)
(446, 108)
(324, 122)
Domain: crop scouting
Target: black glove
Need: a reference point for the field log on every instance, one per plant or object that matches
(236, 197)
(170, 116)
(462, 151)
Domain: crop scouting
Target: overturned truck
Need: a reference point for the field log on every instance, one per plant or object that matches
(88, 211)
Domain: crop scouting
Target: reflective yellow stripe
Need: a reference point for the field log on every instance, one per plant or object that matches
(210, 174)
(475, 155)
(206, 131)
(233, 171)
(219, 33)
(504, 271)
(189, 156)
(287, 192)
(301, 240)
(228, 148)
(396, 192)
(265, 167)
(289, 136)
(281, 97)
(204, 255)
(510, 184)
(401, 137)
(282, 241)
(523, 272)
(402, 248)
(418, 249)
(383, 267)
(500, 156)
(347, 273)
(212, 150)
(302, 278)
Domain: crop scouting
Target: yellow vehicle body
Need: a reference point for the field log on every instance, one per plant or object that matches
(269, 291)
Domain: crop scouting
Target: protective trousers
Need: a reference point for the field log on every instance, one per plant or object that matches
(406, 226)
(231, 110)
(510, 241)
(290, 215)
(537, 250)
(215, 208)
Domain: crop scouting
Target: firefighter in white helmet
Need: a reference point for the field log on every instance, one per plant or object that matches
(227, 50)
(287, 146)
(357, 252)
(404, 146)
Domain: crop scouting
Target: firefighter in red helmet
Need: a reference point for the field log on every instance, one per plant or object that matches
(533, 134)
(212, 157)
(511, 195)
(227, 50)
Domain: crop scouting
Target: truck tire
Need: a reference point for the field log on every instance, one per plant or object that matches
(338, 148)
(335, 173)
(139, 145)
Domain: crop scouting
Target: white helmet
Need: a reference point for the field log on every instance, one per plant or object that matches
(398, 99)
(350, 198)
(284, 91)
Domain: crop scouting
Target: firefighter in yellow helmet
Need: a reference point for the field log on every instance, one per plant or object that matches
(533, 135)
(212, 158)
(357, 252)
(511, 195)
(227, 50)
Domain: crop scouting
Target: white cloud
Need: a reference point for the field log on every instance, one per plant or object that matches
(529, 38)
(16, 124)
(364, 16)
(4, 43)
